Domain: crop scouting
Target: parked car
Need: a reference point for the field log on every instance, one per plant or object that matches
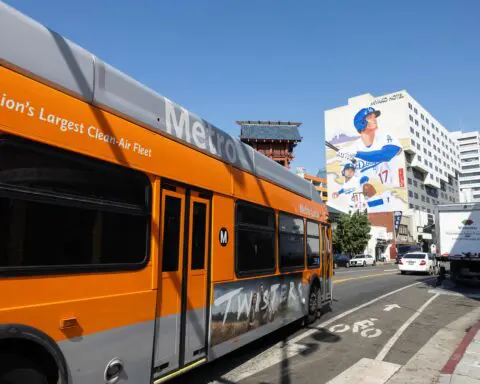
(403, 249)
(341, 260)
(362, 261)
(418, 262)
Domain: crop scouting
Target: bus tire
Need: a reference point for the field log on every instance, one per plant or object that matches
(313, 304)
(19, 370)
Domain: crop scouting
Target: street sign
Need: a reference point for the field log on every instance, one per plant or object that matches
(397, 218)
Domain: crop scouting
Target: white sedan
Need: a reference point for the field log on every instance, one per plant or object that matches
(418, 262)
(362, 261)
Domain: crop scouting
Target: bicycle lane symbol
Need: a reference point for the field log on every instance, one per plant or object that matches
(366, 328)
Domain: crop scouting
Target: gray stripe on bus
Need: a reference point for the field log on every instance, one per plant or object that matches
(88, 356)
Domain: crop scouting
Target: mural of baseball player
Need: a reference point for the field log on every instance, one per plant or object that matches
(374, 152)
(356, 187)
(352, 183)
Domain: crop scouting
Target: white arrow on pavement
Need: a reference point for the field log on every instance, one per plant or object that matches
(389, 307)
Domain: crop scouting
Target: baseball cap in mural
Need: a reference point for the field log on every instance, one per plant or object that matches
(360, 119)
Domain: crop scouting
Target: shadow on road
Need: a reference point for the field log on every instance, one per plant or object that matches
(213, 372)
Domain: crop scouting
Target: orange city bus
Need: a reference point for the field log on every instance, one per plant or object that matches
(136, 240)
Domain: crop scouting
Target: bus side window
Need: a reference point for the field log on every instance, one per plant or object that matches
(291, 242)
(254, 239)
(313, 244)
(61, 211)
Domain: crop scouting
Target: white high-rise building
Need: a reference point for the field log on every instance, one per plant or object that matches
(469, 180)
(401, 150)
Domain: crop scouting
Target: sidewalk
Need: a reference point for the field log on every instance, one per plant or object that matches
(464, 364)
(452, 356)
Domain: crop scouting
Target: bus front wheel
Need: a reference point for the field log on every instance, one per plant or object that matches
(19, 370)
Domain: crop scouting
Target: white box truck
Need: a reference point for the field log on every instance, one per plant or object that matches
(458, 233)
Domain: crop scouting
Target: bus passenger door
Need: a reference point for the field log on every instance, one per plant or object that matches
(169, 299)
(327, 262)
(181, 323)
(195, 303)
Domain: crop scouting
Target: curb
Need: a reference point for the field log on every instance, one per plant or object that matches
(455, 358)
(425, 366)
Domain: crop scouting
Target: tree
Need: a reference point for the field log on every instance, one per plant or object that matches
(352, 233)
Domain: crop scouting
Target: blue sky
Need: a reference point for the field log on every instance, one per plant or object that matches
(284, 60)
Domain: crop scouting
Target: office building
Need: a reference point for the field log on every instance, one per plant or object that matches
(401, 150)
(469, 180)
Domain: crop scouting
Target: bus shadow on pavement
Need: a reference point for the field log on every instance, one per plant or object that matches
(213, 371)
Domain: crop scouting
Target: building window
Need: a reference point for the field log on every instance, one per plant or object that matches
(417, 134)
(413, 142)
(255, 239)
(415, 195)
(419, 157)
(410, 206)
(415, 184)
(423, 198)
(476, 166)
(411, 117)
(423, 128)
(417, 207)
(430, 153)
(410, 105)
(425, 150)
(416, 122)
(428, 200)
(430, 164)
(415, 110)
(410, 194)
(412, 130)
(428, 210)
(409, 180)
(291, 242)
(422, 117)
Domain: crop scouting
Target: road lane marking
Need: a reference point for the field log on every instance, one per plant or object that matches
(367, 371)
(389, 307)
(363, 277)
(360, 270)
(278, 352)
(402, 329)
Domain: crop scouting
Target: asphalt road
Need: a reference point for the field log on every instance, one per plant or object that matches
(295, 354)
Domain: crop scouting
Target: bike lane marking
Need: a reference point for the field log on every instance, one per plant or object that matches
(280, 351)
(381, 355)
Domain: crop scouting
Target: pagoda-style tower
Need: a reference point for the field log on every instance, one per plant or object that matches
(274, 139)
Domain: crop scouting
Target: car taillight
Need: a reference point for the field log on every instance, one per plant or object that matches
(423, 262)
(400, 261)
